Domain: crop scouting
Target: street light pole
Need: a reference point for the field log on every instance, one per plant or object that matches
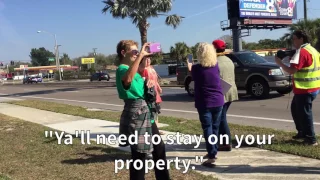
(56, 52)
(94, 55)
(305, 10)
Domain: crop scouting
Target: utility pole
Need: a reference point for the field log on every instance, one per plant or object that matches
(94, 55)
(56, 51)
(305, 10)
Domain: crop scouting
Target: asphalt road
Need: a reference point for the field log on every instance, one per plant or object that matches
(271, 112)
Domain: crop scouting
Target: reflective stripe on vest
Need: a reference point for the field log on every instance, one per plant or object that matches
(309, 77)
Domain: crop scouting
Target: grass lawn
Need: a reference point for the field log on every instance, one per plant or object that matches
(26, 154)
(282, 141)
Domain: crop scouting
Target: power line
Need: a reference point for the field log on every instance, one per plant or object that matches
(313, 9)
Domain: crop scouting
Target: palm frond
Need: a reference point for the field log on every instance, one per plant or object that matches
(118, 9)
(108, 6)
(173, 20)
(163, 6)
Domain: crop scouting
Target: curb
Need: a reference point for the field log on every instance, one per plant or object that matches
(81, 84)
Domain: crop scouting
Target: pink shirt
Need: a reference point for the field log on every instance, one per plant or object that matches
(150, 73)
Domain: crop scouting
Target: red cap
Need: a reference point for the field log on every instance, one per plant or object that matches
(219, 44)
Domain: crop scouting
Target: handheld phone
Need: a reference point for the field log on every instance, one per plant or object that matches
(155, 47)
(190, 58)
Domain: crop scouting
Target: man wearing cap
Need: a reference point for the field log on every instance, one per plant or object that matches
(226, 67)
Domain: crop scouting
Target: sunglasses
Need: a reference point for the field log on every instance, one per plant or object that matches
(135, 52)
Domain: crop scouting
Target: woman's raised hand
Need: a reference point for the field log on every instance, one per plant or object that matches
(143, 51)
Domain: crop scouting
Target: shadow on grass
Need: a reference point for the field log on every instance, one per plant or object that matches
(246, 169)
(55, 139)
(98, 155)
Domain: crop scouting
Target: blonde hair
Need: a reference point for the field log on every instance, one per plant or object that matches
(207, 55)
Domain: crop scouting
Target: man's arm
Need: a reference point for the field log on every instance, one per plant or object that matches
(302, 59)
(291, 70)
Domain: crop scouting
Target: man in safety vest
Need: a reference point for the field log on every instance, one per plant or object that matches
(305, 67)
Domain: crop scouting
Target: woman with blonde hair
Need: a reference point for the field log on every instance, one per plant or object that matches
(208, 95)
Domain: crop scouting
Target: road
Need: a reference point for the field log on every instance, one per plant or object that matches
(271, 112)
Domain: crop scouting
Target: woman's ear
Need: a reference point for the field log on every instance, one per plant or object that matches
(123, 53)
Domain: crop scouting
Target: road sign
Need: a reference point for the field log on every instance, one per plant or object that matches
(51, 58)
(87, 60)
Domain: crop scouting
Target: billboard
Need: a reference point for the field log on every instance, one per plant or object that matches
(87, 60)
(268, 9)
(267, 21)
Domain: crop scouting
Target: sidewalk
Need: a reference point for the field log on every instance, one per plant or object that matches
(242, 163)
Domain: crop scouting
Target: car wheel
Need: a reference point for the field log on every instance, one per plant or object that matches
(258, 88)
(99, 79)
(189, 86)
(284, 91)
(91, 79)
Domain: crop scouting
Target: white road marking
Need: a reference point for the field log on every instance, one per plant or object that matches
(170, 110)
(10, 98)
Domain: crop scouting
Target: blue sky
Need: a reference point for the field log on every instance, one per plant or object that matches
(80, 26)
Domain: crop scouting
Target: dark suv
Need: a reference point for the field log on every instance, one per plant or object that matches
(100, 76)
(253, 73)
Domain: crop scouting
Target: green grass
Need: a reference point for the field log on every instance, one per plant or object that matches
(282, 141)
(4, 177)
(26, 153)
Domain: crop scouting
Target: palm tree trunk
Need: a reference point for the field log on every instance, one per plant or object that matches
(143, 31)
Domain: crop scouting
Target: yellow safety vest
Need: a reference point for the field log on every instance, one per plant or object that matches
(309, 77)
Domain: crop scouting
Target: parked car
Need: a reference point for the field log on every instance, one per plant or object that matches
(38, 78)
(31, 80)
(28, 80)
(252, 73)
(100, 77)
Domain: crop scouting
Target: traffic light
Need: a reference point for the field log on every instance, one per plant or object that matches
(12, 63)
(1, 64)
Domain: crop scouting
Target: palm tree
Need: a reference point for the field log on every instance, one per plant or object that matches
(139, 11)
(194, 50)
(180, 51)
(310, 26)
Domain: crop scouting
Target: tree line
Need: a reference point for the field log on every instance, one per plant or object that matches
(180, 50)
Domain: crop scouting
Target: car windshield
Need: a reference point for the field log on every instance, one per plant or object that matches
(251, 58)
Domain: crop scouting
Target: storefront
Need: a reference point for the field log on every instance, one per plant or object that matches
(41, 71)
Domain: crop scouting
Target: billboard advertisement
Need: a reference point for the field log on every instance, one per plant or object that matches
(268, 9)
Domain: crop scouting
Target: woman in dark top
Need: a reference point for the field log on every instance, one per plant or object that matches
(209, 99)
(136, 115)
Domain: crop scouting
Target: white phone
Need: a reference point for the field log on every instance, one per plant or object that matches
(190, 58)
